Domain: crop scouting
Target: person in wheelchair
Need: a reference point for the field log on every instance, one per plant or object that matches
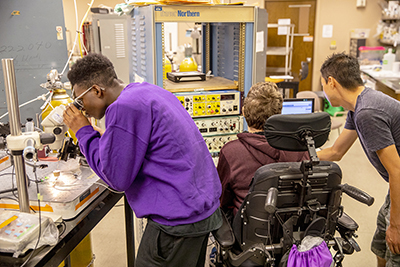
(292, 212)
(374, 118)
(239, 159)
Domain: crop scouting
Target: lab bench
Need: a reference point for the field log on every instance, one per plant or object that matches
(74, 232)
(387, 82)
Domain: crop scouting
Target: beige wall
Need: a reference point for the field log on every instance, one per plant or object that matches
(344, 16)
(82, 6)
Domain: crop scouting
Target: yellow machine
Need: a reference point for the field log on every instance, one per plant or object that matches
(60, 97)
(82, 255)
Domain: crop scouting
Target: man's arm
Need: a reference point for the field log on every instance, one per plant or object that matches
(340, 147)
(390, 159)
(105, 158)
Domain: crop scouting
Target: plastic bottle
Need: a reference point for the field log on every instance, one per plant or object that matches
(388, 59)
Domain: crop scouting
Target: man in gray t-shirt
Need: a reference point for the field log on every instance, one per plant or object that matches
(375, 118)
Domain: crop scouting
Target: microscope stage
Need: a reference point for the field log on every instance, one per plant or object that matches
(64, 192)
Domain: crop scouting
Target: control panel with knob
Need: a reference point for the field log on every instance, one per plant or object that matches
(211, 103)
(219, 125)
(215, 143)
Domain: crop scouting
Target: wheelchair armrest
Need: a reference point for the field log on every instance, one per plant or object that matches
(347, 222)
(257, 253)
(224, 235)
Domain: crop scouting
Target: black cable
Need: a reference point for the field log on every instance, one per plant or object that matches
(4, 174)
(17, 202)
(41, 166)
(9, 198)
(65, 228)
(35, 181)
(13, 191)
(12, 182)
(8, 190)
(7, 168)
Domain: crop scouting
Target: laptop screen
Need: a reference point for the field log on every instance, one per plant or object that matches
(297, 105)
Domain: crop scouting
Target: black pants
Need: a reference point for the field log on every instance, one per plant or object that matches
(163, 250)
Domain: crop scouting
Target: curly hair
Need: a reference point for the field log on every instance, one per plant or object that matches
(92, 69)
(262, 101)
(345, 69)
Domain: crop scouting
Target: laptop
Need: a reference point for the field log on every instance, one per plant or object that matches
(297, 105)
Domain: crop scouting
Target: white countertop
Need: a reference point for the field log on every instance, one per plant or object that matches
(389, 78)
(375, 71)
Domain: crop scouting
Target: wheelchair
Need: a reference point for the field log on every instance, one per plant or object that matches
(291, 200)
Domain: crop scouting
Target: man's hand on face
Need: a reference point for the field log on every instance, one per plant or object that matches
(74, 119)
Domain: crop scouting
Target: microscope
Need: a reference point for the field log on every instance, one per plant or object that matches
(53, 122)
(23, 146)
(63, 187)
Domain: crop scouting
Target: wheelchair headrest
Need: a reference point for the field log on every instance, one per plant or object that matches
(288, 132)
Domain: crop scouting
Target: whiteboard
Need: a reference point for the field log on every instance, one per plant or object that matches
(30, 33)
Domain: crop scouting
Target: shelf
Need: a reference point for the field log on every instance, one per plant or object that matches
(389, 18)
(386, 42)
(278, 51)
(215, 83)
(277, 70)
(285, 51)
(275, 25)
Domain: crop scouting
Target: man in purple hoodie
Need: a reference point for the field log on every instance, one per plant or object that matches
(239, 159)
(152, 150)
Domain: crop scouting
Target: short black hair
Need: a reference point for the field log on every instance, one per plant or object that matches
(92, 69)
(344, 68)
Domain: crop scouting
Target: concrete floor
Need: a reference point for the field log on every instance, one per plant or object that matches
(108, 237)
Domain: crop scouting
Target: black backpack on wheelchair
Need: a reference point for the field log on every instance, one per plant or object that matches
(288, 201)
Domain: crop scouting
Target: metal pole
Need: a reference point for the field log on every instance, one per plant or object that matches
(15, 129)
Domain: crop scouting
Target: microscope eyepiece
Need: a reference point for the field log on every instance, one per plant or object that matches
(76, 104)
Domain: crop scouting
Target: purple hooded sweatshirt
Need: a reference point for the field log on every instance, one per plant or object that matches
(153, 151)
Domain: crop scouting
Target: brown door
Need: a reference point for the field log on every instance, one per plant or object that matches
(302, 15)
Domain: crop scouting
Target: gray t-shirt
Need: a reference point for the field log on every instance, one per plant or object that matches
(376, 119)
